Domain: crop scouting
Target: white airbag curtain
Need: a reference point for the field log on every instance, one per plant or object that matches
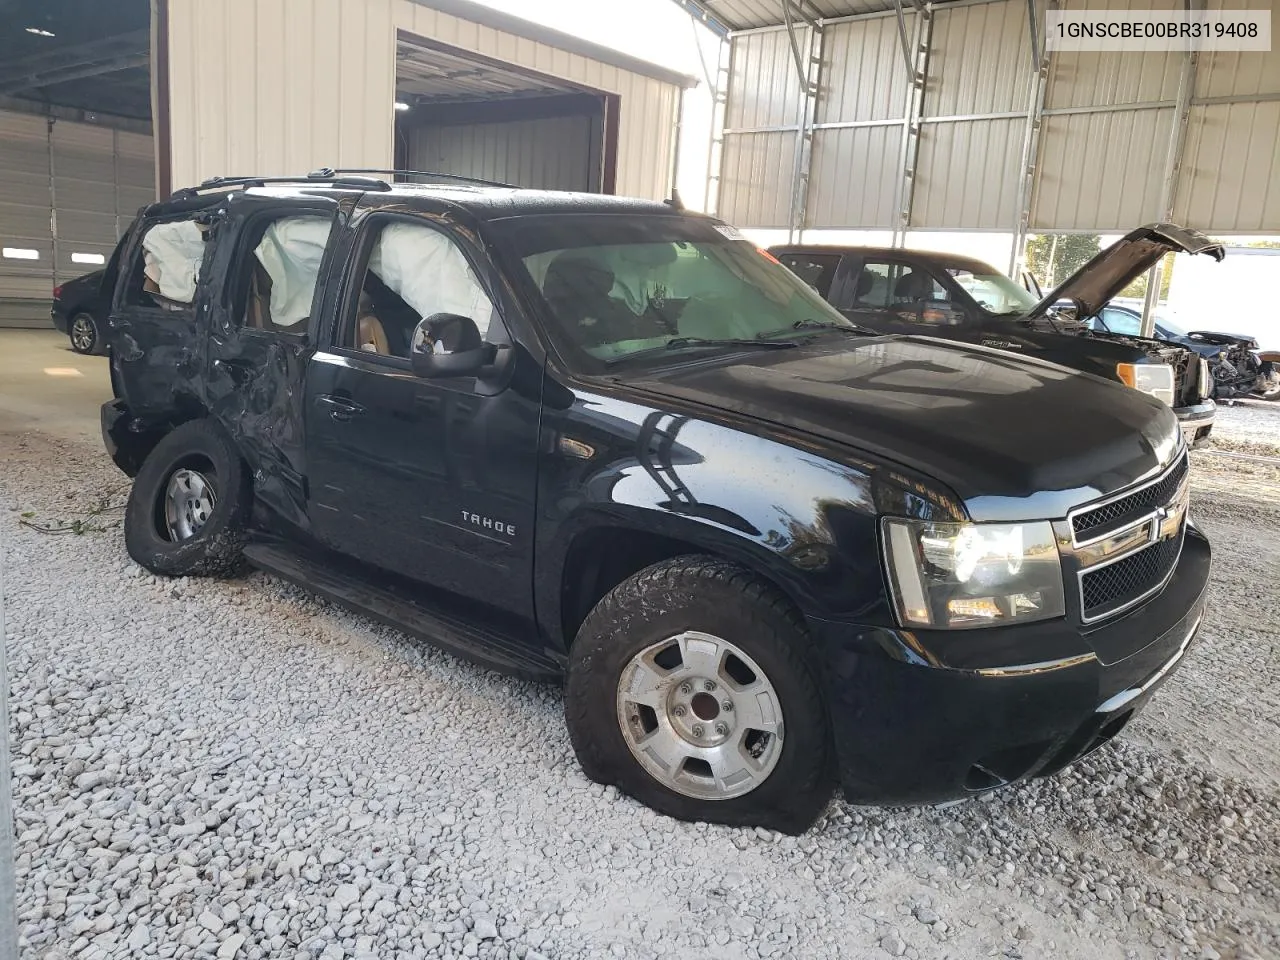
(290, 251)
(427, 270)
(172, 253)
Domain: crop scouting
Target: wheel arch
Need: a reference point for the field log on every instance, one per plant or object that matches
(598, 558)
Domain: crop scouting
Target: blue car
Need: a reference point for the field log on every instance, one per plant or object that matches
(1238, 370)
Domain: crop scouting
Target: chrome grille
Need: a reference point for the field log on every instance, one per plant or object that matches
(1126, 581)
(1114, 515)
(1126, 548)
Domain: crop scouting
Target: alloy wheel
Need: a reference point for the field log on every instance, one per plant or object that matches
(700, 716)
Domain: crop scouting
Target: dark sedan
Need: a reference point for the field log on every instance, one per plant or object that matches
(80, 311)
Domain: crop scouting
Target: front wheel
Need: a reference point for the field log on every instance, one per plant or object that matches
(189, 507)
(83, 331)
(691, 687)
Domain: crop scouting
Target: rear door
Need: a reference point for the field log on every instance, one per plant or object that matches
(161, 283)
(261, 329)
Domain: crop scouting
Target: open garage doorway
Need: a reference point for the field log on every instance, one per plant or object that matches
(462, 114)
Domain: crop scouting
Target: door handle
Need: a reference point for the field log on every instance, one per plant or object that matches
(340, 408)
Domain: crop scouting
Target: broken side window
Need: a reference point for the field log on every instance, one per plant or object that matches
(282, 273)
(166, 272)
(414, 272)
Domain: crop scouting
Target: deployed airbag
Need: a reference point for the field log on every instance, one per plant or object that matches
(172, 253)
(290, 251)
(429, 273)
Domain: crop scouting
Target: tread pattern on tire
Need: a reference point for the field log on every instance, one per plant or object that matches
(215, 555)
(647, 589)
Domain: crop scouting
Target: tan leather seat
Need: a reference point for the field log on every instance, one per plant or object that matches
(370, 335)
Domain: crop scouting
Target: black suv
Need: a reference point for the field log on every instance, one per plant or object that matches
(959, 298)
(605, 439)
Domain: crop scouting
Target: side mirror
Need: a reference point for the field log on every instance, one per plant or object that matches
(448, 345)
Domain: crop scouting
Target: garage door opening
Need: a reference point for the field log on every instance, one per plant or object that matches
(462, 114)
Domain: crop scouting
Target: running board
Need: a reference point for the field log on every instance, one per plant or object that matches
(462, 638)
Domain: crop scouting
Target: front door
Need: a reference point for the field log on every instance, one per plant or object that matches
(433, 480)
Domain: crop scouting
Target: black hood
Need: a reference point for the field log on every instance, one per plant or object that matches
(987, 425)
(1092, 286)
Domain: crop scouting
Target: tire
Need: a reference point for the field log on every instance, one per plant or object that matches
(201, 448)
(83, 332)
(695, 597)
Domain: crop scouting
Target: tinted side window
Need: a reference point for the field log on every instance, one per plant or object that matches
(915, 284)
(167, 266)
(815, 269)
(874, 287)
(412, 272)
(276, 277)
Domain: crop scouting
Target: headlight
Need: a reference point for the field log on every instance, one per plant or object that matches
(960, 575)
(1153, 378)
(1206, 380)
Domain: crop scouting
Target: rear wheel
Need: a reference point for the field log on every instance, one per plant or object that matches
(83, 331)
(190, 503)
(691, 688)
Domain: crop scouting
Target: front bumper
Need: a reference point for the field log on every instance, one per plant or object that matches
(923, 717)
(1196, 422)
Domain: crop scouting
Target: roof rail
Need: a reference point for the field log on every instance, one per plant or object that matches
(326, 177)
(450, 177)
(354, 178)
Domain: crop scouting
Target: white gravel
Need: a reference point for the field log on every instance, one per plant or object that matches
(237, 770)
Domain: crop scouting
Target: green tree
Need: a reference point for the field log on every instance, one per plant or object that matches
(1139, 286)
(1052, 258)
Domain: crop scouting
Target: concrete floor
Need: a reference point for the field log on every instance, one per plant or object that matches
(47, 386)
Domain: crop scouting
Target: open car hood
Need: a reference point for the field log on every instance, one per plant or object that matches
(1094, 284)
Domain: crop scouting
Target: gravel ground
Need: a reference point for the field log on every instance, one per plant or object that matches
(235, 769)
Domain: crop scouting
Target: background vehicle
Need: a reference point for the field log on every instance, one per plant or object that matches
(581, 436)
(1237, 368)
(959, 298)
(80, 309)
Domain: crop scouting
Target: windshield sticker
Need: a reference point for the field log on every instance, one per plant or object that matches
(728, 232)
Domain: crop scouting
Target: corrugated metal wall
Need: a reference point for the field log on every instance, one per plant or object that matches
(1101, 153)
(290, 85)
(1231, 161)
(855, 168)
(68, 192)
(561, 153)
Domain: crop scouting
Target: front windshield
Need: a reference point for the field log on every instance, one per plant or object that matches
(619, 286)
(994, 292)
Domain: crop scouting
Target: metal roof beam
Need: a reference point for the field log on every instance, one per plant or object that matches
(66, 74)
(106, 55)
(701, 13)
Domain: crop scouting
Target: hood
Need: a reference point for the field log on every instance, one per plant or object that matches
(1103, 277)
(1013, 438)
(1213, 339)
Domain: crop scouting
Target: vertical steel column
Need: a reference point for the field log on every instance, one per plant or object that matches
(1031, 135)
(719, 117)
(1172, 168)
(810, 89)
(916, 57)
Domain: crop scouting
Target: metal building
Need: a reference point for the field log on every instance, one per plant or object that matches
(291, 85)
(900, 115)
